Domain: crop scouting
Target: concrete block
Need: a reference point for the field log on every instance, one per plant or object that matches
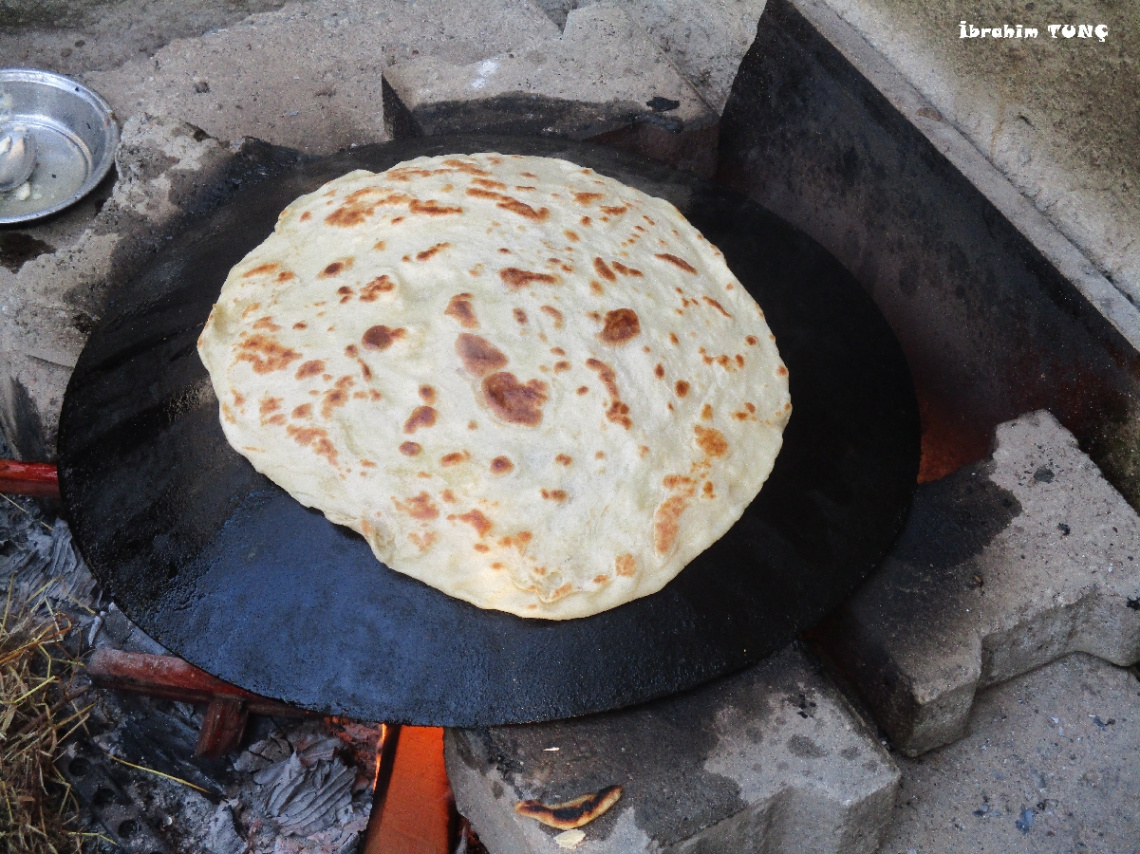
(603, 74)
(771, 759)
(704, 39)
(1002, 567)
(1046, 765)
(308, 75)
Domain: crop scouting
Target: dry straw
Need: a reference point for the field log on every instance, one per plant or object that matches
(39, 710)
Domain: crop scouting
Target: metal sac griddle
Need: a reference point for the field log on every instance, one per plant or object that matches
(228, 571)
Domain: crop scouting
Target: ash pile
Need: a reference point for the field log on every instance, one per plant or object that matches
(296, 787)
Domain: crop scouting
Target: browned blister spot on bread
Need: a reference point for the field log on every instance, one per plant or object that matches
(625, 565)
(677, 262)
(336, 396)
(259, 270)
(666, 521)
(501, 465)
(511, 204)
(316, 438)
(553, 313)
(465, 166)
(476, 520)
(361, 204)
(267, 324)
(431, 251)
(371, 292)
(554, 494)
(410, 449)
(621, 326)
(422, 416)
(711, 441)
(454, 458)
(587, 198)
(432, 208)
(311, 368)
(265, 354)
(515, 402)
(618, 412)
(381, 337)
(490, 184)
(717, 306)
(479, 356)
(604, 271)
(513, 277)
(576, 813)
(418, 506)
(459, 308)
(335, 268)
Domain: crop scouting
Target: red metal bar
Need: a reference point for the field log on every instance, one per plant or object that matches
(39, 480)
(172, 678)
(223, 725)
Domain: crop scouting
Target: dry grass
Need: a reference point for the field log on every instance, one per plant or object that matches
(38, 711)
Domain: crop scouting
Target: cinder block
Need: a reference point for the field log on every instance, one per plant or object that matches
(1047, 764)
(704, 39)
(1002, 567)
(603, 75)
(771, 759)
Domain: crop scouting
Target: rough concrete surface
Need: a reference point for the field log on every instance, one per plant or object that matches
(1059, 116)
(1046, 766)
(70, 38)
(1002, 567)
(705, 39)
(308, 75)
(600, 74)
(771, 759)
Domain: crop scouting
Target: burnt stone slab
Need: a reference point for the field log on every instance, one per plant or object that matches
(602, 75)
(771, 759)
(1003, 566)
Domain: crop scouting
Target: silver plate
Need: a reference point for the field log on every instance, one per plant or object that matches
(76, 137)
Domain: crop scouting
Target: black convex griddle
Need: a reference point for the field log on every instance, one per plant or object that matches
(229, 572)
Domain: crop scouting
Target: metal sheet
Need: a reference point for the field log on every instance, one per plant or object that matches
(228, 571)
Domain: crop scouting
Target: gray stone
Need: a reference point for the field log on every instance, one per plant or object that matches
(1047, 764)
(704, 39)
(1002, 567)
(771, 759)
(308, 75)
(603, 74)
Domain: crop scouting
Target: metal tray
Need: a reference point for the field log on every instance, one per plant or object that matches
(234, 575)
(76, 137)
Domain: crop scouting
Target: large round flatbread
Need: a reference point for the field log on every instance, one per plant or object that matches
(525, 384)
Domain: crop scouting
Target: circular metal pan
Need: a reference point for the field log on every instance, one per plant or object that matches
(228, 571)
(76, 137)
